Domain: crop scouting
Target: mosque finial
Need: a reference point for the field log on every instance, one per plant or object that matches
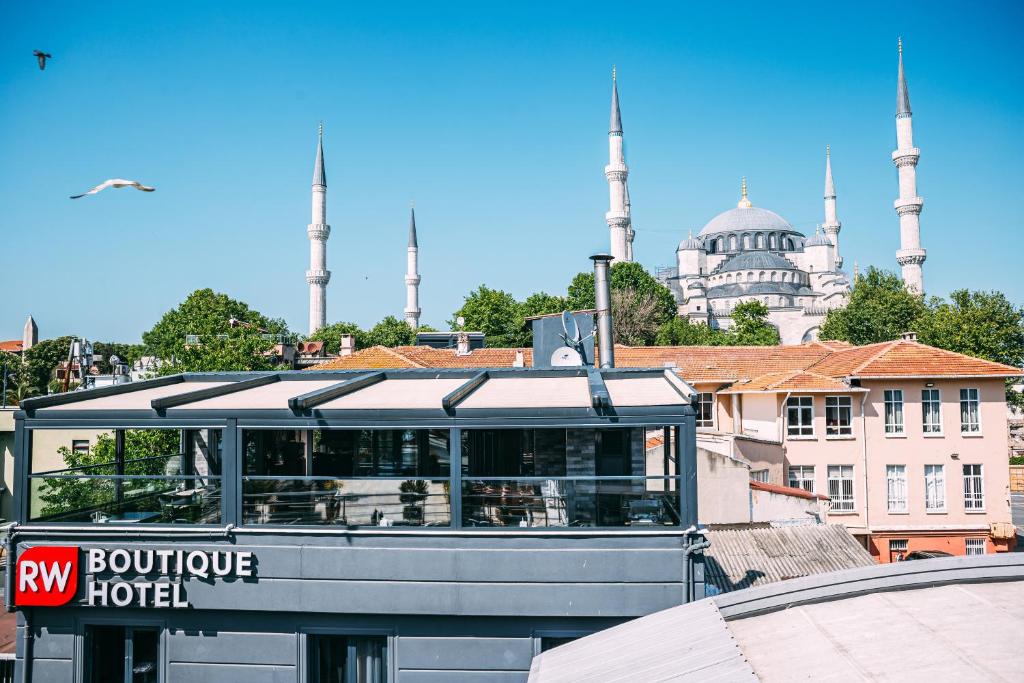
(899, 44)
(613, 72)
(744, 203)
(828, 150)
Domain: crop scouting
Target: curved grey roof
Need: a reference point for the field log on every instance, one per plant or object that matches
(818, 240)
(690, 242)
(756, 260)
(751, 219)
(745, 288)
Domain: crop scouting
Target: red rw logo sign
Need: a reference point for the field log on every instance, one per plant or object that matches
(47, 576)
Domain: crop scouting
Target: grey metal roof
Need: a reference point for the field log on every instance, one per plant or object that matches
(745, 288)
(755, 260)
(319, 174)
(412, 228)
(948, 619)
(690, 242)
(902, 94)
(741, 558)
(818, 240)
(616, 122)
(688, 643)
(752, 219)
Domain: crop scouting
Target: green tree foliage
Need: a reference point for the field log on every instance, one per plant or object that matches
(750, 326)
(219, 345)
(43, 358)
(331, 335)
(543, 303)
(981, 324)
(19, 379)
(682, 332)
(128, 353)
(390, 332)
(880, 309)
(495, 313)
(62, 496)
(641, 304)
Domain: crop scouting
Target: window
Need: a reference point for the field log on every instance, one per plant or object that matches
(975, 546)
(896, 486)
(122, 653)
(347, 659)
(935, 488)
(759, 475)
(706, 410)
(802, 477)
(970, 416)
(897, 549)
(931, 411)
(838, 416)
(550, 642)
(80, 447)
(893, 411)
(800, 416)
(840, 487)
(974, 488)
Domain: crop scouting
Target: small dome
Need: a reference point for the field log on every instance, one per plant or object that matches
(690, 243)
(751, 219)
(755, 260)
(817, 240)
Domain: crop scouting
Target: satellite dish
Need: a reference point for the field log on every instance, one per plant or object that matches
(572, 330)
(564, 357)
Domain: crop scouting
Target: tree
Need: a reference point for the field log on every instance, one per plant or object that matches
(128, 353)
(682, 332)
(390, 332)
(43, 358)
(64, 495)
(495, 313)
(205, 313)
(981, 324)
(331, 336)
(542, 303)
(634, 317)
(19, 380)
(644, 291)
(880, 309)
(750, 326)
(211, 332)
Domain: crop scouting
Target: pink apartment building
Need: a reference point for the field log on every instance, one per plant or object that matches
(908, 441)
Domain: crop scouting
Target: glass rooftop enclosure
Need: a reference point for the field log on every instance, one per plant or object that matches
(520, 448)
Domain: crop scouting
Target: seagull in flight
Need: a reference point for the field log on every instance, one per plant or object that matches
(42, 57)
(115, 182)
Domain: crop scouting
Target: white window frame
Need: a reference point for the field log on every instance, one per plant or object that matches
(710, 402)
(842, 500)
(931, 428)
(799, 429)
(759, 476)
(935, 488)
(841, 405)
(974, 487)
(896, 488)
(972, 546)
(893, 399)
(899, 545)
(799, 476)
(970, 427)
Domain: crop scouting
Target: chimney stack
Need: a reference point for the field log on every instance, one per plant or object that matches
(462, 348)
(603, 300)
(909, 336)
(347, 345)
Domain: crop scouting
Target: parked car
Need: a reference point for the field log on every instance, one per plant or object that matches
(926, 555)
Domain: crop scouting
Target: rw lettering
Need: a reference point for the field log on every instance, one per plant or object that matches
(47, 576)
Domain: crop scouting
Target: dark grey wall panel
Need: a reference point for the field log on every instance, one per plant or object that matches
(220, 673)
(50, 670)
(227, 647)
(463, 676)
(465, 653)
(54, 643)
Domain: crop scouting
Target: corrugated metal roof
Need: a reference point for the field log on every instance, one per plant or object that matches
(741, 558)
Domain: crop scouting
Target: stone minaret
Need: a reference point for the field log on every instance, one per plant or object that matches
(910, 255)
(318, 276)
(29, 335)
(412, 276)
(616, 172)
(831, 226)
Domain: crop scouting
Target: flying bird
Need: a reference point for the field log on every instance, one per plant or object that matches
(42, 57)
(115, 182)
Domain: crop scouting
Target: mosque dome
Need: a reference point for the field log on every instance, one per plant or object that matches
(756, 260)
(818, 240)
(746, 218)
(690, 242)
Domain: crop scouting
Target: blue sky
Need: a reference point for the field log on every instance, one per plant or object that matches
(493, 118)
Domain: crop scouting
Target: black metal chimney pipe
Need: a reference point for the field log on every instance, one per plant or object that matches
(603, 301)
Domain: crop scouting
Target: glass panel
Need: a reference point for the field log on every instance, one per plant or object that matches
(348, 502)
(347, 659)
(145, 655)
(146, 451)
(105, 655)
(521, 452)
(569, 503)
(327, 659)
(82, 498)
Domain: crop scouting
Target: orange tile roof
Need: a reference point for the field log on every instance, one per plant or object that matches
(12, 346)
(817, 366)
(786, 490)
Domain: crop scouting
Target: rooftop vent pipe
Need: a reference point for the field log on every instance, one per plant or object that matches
(603, 299)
